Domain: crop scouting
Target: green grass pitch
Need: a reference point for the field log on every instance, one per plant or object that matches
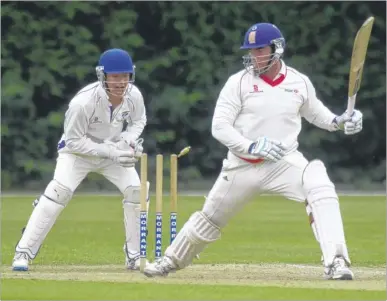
(267, 252)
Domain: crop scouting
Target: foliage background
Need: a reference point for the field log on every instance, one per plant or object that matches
(184, 52)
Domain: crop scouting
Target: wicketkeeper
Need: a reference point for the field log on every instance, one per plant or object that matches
(94, 141)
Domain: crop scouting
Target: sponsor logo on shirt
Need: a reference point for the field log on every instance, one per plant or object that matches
(291, 90)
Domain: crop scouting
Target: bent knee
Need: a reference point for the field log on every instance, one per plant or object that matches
(317, 184)
(132, 194)
(202, 229)
(58, 193)
(217, 215)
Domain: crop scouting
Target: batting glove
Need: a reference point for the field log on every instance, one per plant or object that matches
(267, 148)
(349, 124)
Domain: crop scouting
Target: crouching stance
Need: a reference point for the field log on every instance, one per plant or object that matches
(95, 140)
(258, 118)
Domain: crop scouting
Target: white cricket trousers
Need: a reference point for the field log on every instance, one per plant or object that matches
(239, 181)
(71, 170)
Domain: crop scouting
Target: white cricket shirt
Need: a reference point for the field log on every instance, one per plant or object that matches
(90, 120)
(249, 107)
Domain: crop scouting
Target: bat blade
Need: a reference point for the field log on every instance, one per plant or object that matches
(359, 53)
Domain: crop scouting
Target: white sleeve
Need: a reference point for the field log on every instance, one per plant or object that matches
(314, 111)
(227, 109)
(137, 120)
(75, 129)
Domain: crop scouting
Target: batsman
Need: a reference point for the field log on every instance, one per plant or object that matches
(258, 118)
(102, 127)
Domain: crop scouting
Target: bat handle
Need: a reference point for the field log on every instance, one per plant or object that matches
(351, 104)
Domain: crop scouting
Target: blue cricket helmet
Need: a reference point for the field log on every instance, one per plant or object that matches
(116, 61)
(261, 35)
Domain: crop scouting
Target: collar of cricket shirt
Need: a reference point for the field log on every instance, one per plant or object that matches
(278, 79)
(102, 95)
(104, 99)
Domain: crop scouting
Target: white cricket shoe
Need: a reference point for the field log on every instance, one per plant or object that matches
(338, 270)
(20, 262)
(132, 260)
(161, 267)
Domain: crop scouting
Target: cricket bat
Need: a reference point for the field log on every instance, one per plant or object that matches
(359, 52)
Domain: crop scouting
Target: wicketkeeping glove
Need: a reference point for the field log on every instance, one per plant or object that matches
(124, 157)
(136, 146)
(268, 149)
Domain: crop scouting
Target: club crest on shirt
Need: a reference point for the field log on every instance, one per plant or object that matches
(256, 89)
(96, 120)
(123, 116)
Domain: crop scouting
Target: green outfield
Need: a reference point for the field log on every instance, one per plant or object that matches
(267, 252)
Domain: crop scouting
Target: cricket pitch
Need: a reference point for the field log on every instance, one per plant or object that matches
(277, 275)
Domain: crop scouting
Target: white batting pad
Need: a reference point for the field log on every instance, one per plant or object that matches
(195, 235)
(311, 221)
(40, 223)
(131, 205)
(323, 201)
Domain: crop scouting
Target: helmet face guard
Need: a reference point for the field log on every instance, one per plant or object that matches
(258, 36)
(102, 78)
(115, 61)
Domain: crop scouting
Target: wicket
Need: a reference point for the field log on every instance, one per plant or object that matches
(159, 203)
